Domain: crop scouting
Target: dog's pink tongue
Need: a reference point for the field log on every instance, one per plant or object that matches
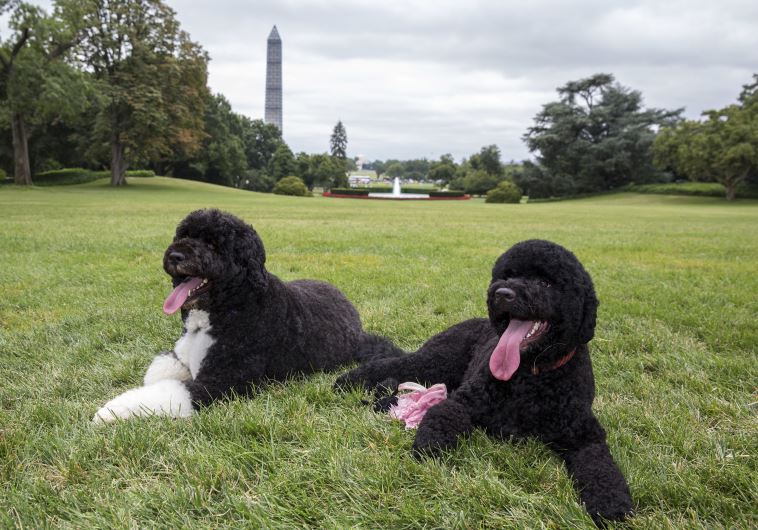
(179, 295)
(506, 356)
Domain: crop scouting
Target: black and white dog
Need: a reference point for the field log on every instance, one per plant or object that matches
(242, 325)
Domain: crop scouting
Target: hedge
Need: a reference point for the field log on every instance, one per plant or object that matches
(446, 193)
(73, 175)
(77, 175)
(349, 191)
(703, 189)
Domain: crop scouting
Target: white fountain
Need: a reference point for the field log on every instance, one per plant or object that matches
(397, 193)
(396, 188)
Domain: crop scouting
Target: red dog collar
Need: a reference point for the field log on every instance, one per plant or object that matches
(560, 362)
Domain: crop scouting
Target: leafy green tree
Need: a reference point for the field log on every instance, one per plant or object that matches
(479, 182)
(257, 180)
(327, 171)
(320, 170)
(442, 170)
(153, 77)
(36, 86)
(395, 169)
(282, 163)
(261, 141)
(722, 147)
(597, 136)
(338, 141)
(302, 168)
(222, 159)
(505, 192)
(292, 186)
(377, 165)
(488, 159)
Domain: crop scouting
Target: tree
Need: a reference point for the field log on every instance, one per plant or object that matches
(222, 158)
(488, 160)
(35, 85)
(395, 170)
(153, 77)
(722, 147)
(261, 141)
(443, 170)
(282, 164)
(479, 182)
(338, 141)
(326, 171)
(597, 136)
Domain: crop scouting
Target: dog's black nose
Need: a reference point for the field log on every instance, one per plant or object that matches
(176, 257)
(508, 294)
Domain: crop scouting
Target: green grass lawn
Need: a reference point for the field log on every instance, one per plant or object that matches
(82, 286)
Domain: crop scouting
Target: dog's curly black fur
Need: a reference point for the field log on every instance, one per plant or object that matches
(263, 329)
(550, 394)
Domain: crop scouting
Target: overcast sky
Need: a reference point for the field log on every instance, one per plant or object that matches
(419, 78)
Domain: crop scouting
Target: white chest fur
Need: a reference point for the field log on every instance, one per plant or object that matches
(193, 345)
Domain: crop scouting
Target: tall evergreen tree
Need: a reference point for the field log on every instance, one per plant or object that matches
(338, 141)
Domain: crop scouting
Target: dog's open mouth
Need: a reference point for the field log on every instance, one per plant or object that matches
(185, 293)
(506, 357)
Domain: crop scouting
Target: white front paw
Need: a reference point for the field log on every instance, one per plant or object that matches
(168, 397)
(166, 366)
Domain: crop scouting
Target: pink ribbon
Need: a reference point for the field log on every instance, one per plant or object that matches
(412, 406)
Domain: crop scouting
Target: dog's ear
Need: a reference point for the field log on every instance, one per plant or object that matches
(251, 256)
(589, 316)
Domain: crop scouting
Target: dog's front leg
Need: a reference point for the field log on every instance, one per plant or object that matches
(602, 488)
(166, 365)
(441, 427)
(167, 397)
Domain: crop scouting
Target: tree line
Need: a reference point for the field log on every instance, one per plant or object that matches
(598, 137)
(118, 84)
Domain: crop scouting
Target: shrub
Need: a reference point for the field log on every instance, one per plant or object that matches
(506, 191)
(141, 173)
(292, 186)
(3, 174)
(75, 175)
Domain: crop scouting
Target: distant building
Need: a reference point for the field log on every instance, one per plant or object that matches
(361, 178)
(273, 112)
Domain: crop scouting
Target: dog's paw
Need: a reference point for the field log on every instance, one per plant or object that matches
(110, 412)
(168, 397)
(441, 428)
(350, 380)
(607, 514)
(385, 395)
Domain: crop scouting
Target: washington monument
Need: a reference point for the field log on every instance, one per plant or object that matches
(274, 80)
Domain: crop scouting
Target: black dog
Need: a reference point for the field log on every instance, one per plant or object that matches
(242, 325)
(524, 372)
